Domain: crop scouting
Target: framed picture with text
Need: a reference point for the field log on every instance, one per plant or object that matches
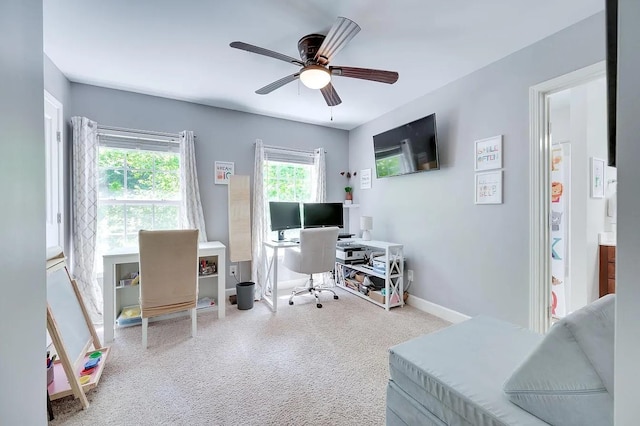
(488, 187)
(223, 169)
(488, 154)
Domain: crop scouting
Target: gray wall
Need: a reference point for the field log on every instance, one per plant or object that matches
(472, 259)
(221, 134)
(60, 88)
(627, 353)
(22, 218)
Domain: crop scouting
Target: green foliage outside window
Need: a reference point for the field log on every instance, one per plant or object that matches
(288, 181)
(138, 189)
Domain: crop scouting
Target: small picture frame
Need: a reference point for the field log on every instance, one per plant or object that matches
(597, 177)
(223, 169)
(488, 187)
(488, 153)
(365, 179)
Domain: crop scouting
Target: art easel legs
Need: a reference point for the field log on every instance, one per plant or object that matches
(49, 407)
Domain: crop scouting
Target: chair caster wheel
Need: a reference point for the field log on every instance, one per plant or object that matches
(290, 302)
(319, 305)
(335, 297)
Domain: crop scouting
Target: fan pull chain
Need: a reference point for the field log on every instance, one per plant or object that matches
(331, 108)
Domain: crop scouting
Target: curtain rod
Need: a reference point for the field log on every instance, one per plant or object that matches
(283, 148)
(138, 131)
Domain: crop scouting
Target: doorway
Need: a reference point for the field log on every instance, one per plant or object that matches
(563, 255)
(54, 170)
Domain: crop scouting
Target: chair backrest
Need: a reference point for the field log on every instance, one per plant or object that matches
(317, 250)
(168, 271)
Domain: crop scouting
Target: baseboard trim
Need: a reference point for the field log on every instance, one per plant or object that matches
(437, 310)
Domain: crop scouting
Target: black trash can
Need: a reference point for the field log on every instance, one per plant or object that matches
(245, 292)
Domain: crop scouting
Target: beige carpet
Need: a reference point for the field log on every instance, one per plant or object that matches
(301, 366)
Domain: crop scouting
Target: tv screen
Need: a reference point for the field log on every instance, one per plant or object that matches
(410, 148)
(284, 215)
(317, 215)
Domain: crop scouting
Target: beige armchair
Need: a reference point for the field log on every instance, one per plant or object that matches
(316, 254)
(168, 274)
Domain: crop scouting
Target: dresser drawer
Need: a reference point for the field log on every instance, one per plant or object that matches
(607, 273)
(611, 270)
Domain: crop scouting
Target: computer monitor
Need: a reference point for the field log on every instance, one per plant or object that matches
(317, 215)
(284, 215)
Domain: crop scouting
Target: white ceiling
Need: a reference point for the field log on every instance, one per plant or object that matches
(180, 50)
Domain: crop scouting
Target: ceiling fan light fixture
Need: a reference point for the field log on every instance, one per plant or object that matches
(315, 76)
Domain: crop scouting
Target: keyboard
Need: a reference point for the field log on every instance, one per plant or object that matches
(288, 240)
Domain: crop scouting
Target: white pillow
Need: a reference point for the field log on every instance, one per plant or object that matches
(563, 380)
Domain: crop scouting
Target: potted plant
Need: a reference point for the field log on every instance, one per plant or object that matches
(348, 198)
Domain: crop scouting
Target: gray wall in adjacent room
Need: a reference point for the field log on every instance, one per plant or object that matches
(627, 352)
(22, 218)
(221, 135)
(470, 258)
(60, 88)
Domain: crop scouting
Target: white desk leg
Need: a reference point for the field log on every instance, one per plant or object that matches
(222, 284)
(108, 295)
(274, 284)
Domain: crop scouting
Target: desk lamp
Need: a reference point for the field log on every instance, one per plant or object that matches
(366, 224)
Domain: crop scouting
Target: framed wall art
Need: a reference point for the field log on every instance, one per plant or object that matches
(223, 169)
(488, 154)
(488, 187)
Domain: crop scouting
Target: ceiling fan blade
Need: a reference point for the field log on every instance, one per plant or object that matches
(330, 95)
(380, 76)
(277, 84)
(266, 52)
(343, 30)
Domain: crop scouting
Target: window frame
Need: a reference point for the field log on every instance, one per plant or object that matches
(126, 145)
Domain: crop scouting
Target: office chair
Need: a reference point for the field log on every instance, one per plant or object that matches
(168, 274)
(316, 253)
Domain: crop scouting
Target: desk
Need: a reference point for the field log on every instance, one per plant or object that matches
(271, 264)
(115, 258)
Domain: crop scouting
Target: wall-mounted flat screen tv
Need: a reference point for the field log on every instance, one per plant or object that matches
(410, 148)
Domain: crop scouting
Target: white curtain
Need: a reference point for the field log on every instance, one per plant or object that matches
(259, 226)
(320, 176)
(260, 223)
(192, 215)
(85, 213)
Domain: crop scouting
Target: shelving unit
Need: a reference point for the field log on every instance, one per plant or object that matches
(393, 274)
(121, 263)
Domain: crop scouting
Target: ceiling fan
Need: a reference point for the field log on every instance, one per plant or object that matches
(316, 51)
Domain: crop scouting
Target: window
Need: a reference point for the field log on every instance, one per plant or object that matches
(286, 181)
(138, 189)
(289, 175)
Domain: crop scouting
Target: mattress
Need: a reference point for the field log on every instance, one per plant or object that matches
(457, 374)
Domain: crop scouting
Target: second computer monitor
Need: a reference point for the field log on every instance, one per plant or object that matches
(317, 215)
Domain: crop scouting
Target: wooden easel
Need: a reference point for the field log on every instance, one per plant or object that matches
(79, 329)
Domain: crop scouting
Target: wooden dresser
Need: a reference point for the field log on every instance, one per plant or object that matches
(607, 270)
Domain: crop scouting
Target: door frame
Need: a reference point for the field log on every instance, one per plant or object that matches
(540, 190)
(48, 97)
